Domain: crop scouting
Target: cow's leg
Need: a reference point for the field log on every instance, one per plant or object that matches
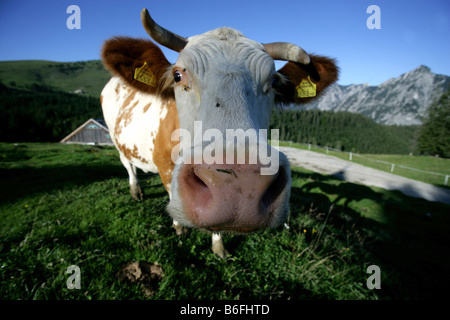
(178, 227)
(135, 189)
(217, 245)
(179, 230)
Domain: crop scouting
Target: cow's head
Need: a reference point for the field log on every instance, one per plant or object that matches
(224, 81)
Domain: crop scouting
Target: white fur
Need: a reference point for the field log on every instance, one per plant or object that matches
(144, 123)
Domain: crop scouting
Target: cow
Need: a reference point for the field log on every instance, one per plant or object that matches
(221, 81)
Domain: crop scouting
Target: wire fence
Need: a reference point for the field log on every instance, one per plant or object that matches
(413, 173)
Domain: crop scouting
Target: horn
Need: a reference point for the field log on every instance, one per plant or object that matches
(163, 36)
(287, 51)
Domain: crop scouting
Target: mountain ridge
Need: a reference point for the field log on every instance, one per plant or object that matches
(397, 101)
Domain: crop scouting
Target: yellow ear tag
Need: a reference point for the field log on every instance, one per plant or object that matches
(306, 88)
(145, 75)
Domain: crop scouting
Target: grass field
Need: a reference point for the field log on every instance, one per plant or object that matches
(423, 163)
(64, 205)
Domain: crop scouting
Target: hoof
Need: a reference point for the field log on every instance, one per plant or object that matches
(136, 193)
(218, 248)
(179, 229)
(221, 252)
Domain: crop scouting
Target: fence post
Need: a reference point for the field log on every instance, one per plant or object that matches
(392, 167)
(350, 156)
(309, 146)
(446, 179)
(327, 150)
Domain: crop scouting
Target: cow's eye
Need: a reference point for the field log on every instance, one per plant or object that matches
(177, 76)
(271, 84)
(275, 82)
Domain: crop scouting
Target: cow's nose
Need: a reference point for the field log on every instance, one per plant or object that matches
(223, 197)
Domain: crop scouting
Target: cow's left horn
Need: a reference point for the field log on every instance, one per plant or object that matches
(287, 51)
(163, 36)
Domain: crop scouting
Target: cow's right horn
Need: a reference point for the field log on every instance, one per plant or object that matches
(163, 36)
(287, 51)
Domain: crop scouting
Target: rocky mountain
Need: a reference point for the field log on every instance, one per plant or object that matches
(397, 101)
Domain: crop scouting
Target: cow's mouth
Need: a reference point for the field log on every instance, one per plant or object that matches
(234, 230)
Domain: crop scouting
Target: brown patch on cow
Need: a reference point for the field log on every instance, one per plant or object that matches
(162, 152)
(147, 107)
(122, 55)
(125, 114)
(323, 72)
(148, 275)
(131, 154)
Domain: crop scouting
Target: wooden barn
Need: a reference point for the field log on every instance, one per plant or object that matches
(93, 131)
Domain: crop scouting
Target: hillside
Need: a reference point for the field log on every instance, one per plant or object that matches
(40, 113)
(398, 101)
(86, 77)
(344, 131)
(40, 93)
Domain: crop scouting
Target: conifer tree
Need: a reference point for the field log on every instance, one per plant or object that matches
(435, 134)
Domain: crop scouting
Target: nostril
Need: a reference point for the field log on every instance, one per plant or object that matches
(274, 190)
(198, 191)
(197, 181)
(191, 179)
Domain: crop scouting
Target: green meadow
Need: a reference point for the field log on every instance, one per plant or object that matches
(64, 205)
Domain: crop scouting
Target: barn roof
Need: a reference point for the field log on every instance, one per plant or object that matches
(93, 131)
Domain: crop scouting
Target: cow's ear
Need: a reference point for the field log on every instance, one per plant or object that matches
(303, 83)
(139, 62)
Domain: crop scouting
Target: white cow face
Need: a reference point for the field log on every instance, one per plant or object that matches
(224, 80)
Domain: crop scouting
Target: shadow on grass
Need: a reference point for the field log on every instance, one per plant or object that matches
(406, 237)
(16, 183)
(27, 169)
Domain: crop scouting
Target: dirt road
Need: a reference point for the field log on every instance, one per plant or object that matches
(357, 173)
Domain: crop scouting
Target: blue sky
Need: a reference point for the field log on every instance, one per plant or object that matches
(412, 33)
